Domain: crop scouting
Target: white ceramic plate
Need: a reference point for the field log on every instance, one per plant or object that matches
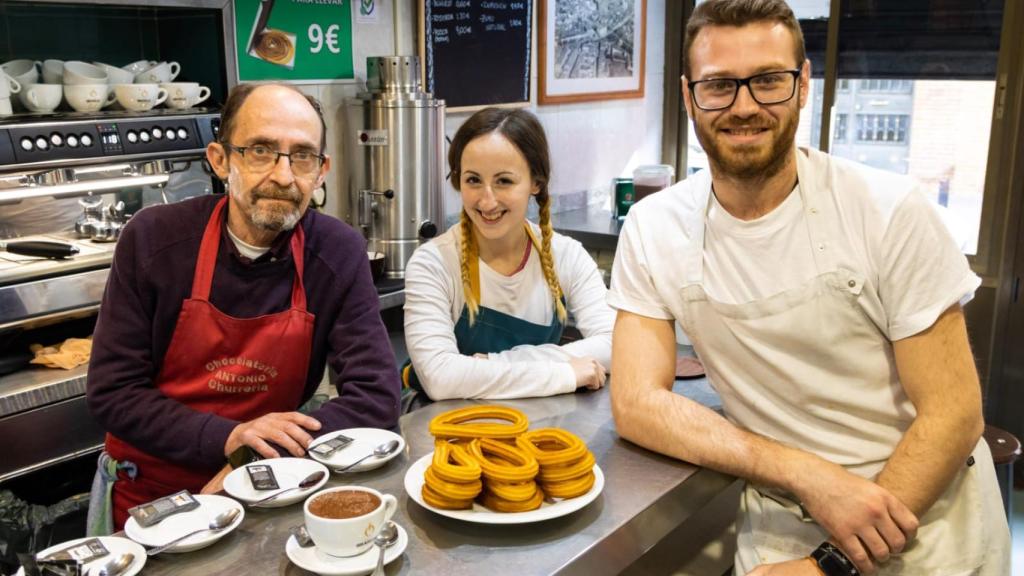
(288, 471)
(364, 440)
(315, 561)
(114, 544)
(182, 523)
(479, 514)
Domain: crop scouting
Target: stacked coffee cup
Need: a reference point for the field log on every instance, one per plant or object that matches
(137, 87)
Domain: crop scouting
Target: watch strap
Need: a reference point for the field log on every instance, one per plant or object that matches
(832, 562)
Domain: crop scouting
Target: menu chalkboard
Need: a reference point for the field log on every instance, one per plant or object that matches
(477, 52)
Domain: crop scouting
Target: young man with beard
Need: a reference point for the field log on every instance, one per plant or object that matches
(824, 299)
(221, 313)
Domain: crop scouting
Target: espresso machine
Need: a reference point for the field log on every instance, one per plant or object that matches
(393, 144)
(68, 183)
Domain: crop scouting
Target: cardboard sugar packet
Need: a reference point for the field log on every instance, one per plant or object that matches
(327, 448)
(153, 512)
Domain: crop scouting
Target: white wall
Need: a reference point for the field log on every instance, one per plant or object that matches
(590, 142)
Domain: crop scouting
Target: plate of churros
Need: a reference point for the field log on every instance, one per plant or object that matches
(488, 467)
(550, 508)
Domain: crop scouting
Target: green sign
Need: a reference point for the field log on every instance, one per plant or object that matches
(293, 39)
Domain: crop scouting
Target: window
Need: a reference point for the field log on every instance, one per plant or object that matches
(885, 85)
(889, 128)
(840, 133)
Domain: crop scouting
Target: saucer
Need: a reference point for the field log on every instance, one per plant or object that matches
(288, 472)
(116, 545)
(364, 440)
(315, 561)
(182, 523)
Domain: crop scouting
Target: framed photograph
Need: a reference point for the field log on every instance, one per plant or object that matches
(591, 50)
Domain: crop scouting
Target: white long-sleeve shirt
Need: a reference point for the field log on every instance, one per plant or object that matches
(434, 303)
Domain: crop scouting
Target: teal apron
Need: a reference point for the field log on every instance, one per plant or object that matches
(493, 331)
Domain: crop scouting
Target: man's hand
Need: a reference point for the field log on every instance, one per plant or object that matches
(800, 566)
(865, 520)
(286, 429)
(589, 372)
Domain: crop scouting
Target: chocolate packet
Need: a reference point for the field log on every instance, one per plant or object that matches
(262, 477)
(327, 448)
(153, 512)
(49, 567)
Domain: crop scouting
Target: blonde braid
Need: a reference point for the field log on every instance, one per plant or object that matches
(464, 256)
(547, 261)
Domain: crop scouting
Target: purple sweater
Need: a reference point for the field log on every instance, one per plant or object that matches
(151, 276)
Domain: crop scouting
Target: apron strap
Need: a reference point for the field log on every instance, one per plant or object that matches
(474, 262)
(207, 260)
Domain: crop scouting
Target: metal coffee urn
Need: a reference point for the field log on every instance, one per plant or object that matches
(393, 145)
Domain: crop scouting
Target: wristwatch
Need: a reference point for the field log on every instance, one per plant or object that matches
(242, 456)
(832, 562)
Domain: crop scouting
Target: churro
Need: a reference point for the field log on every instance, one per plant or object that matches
(523, 465)
(458, 423)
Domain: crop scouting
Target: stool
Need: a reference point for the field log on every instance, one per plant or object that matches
(1005, 449)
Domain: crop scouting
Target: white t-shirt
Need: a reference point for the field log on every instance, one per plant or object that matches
(889, 233)
(742, 259)
(434, 301)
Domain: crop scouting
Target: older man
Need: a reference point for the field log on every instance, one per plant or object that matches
(824, 299)
(221, 312)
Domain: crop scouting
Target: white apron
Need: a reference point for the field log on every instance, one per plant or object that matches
(808, 368)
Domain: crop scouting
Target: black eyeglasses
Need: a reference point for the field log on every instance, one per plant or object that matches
(260, 158)
(766, 88)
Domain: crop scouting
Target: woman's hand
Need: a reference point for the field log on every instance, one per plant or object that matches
(589, 372)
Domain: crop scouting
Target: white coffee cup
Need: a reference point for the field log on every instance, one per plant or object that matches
(139, 97)
(53, 71)
(41, 97)
(115, 75)
(24, 71)
(138, 66)
(158, 74)
(5, 107)
(76, 72)
(185, 94)
(8, 85)
(88, 97)
(348, 536)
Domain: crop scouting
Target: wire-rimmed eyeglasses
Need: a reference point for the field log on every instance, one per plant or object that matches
(766, 88)
(259, 158)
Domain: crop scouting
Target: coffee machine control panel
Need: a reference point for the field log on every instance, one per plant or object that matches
(130, 136)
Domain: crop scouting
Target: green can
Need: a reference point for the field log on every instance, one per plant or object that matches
(624, 196)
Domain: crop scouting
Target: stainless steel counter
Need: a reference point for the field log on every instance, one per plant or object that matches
(646, 497)
(594, 227)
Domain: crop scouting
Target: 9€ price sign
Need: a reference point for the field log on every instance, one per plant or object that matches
(300, 40)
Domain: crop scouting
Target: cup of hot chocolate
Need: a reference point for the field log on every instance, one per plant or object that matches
(343, 521)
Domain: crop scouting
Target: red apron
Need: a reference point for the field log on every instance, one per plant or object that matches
(238, 368)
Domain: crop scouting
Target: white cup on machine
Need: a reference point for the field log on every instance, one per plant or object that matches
(116, 75)
(139, 97)
(24, 71)
(53, 71)
(8, 86)
(182, 95)
(41, 98)
(138, 66)
(89, 97)
(161, 73)
(82, 73)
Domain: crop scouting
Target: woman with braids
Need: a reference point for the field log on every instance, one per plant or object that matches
(486, 302)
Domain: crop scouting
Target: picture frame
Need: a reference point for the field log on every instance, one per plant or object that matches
(590, 51)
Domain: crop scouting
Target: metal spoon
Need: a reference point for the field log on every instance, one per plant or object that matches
(380, 451)
(117, 565)
(388, 536)
(307, 482)
(219, 522)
